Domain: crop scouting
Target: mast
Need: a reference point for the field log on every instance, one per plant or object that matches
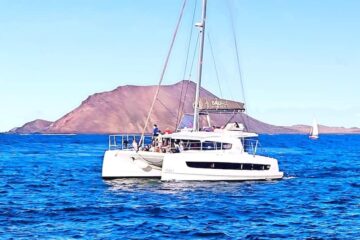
(201, 26)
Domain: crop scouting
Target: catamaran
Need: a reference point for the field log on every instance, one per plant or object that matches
(229, 153)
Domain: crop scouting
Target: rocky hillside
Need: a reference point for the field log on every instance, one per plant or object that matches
(36, 126)
(124, 110)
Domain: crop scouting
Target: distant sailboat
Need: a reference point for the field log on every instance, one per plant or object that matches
(314, 132)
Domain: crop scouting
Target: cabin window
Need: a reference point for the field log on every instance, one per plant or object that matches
(208, 145)
(197, 145)
(228, 166)
(190, 144)
(249, 144)
(226, 146)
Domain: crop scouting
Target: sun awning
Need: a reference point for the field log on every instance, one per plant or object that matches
(220, 105)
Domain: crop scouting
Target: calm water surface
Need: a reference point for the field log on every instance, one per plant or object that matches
(51, 188)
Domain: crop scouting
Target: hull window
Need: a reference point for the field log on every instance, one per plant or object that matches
(229, 166)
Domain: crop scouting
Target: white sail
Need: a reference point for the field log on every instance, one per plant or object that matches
(314, 133)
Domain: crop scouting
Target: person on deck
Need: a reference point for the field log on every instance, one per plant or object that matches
(135, 145)
(167, 131)
(181, 146)
(125, 143)
(176, 147)
(155, 131)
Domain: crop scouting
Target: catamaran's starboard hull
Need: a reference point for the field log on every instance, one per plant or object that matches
(189, 166)
(129, 164)
(221, 167)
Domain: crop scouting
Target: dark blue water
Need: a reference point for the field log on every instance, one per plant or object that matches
(51, 187)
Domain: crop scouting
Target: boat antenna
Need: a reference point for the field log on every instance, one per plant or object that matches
(201, 26)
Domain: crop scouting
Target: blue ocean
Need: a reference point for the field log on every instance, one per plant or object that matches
(51, 188)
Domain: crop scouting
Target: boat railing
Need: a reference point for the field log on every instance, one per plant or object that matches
(124, 141)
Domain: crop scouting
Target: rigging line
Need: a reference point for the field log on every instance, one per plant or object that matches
(216, 70)
(195, 51)
(236, 51)
(189, 78)
(163, 71)
(245, 118)
(186, 64)
(237, 58)
(169, 110)
(231, 118)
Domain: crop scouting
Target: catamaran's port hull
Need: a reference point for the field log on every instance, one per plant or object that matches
(207, 167)
(130, 164)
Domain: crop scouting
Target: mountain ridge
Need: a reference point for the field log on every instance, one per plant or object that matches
(125, 108)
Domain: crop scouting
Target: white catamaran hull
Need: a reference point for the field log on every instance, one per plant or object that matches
(226, 167)
(127, 163)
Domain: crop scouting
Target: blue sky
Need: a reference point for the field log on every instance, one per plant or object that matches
(299, 59)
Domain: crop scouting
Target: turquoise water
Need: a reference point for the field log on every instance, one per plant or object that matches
(51, 188)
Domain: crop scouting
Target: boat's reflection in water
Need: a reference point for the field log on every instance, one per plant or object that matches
(132, 184)
(154, 185)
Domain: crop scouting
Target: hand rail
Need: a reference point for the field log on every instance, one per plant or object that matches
(123, 141)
